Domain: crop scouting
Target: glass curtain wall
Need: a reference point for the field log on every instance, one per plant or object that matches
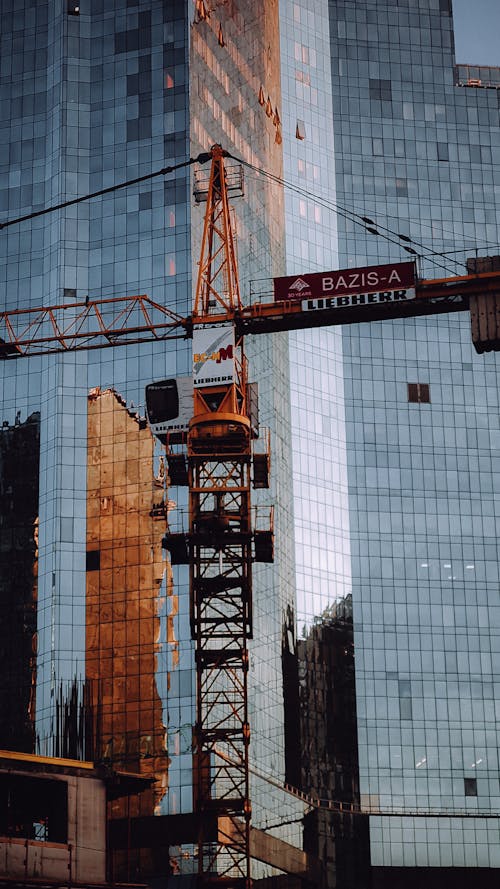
(92, 95)
(88, 100)
(417, 152)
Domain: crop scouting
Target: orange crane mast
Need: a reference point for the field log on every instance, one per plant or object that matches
(220, 548)
(219, 466)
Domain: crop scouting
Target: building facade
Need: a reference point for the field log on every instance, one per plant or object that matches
(359, 107)
(93, 95)
(408, 484)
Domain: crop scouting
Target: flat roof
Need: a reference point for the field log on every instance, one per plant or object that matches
(118, 782)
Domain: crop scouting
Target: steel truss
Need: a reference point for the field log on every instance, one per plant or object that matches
(222, 541)
(221, 553)
(221, 549)
(93, 324)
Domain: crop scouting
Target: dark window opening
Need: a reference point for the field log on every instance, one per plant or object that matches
(132, 84)
(133, 130)
(380, 89)
(470, 786)
(419, 393)
(93, 560)
(34, 808)
(146, 200)
(73, 7)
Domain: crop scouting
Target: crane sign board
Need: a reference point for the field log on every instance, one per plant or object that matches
(394, 282)
(213, 355)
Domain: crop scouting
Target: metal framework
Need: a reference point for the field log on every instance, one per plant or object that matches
(219, 459)
(119, 321)
(93, 324)
(218, 282)
(221, 621)
(220, 468)
(220, 546)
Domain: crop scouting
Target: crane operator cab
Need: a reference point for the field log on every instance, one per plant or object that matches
(169, 407)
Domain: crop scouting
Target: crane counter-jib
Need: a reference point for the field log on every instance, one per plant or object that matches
(337, 298)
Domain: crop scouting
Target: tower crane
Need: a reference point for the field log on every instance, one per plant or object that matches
(220, 546)
(211, 451)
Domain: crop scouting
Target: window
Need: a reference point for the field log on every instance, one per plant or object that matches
(303, 77)
(470, 786)
(93, 561)
(419, 393)
(442, 151)
(33, 808)
(300, 130)
(405, 708)
(301, 53)
(73, 7)
(380, 89)
(401, 188)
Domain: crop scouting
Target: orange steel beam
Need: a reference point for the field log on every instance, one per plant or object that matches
(218, 273)
(93, 324)
(432, 297)
(436, 288)
(221, 543)
(101, 323)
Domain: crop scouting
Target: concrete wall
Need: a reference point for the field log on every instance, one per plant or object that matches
(83, 857)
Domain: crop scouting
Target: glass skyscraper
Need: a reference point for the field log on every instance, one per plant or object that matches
(405, 475)
(94, 94)
(385, 436)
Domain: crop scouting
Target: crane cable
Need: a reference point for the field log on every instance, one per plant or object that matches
(201, 159)
(371, 226)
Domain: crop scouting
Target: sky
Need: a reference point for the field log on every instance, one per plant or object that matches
(477, 32)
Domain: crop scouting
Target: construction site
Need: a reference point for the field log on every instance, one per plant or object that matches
(242, 614)
(208, 426)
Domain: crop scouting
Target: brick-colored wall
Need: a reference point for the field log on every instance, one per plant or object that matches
(125, 595)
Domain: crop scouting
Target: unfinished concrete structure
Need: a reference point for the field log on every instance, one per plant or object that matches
(53, 820)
